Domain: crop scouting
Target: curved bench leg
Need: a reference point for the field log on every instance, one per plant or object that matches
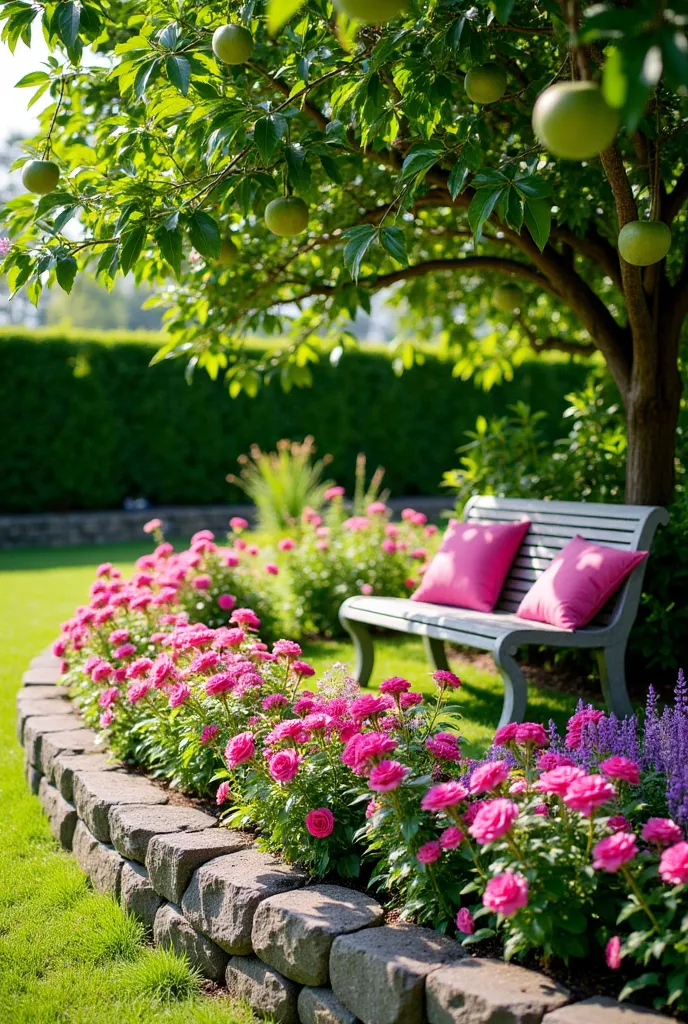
(515, 686)
(435, 652)
(611, 662)
(363, 645)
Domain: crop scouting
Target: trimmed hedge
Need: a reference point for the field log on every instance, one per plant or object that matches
(85, 422)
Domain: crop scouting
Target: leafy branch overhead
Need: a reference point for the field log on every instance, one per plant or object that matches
(403, 154)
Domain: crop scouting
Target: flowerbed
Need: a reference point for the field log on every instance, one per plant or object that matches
(559, 847)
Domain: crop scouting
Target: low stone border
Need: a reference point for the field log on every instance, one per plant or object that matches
(315, 954)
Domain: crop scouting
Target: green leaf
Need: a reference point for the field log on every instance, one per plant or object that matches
(538, 220)
(132, 244)
(503, 9)
(419, 160)
(280, 11)
(359, 241)
(179, 72)
(205, 235)
(170, 245)
(298, 169)
(65, 272)
(533, 187)
(170, 36)
(457, 179)
(144, 75)
(514, 209)
(482, 205)
(643, 981)
(393, 241)
(267, 135)
(67, 22)
(33, 78)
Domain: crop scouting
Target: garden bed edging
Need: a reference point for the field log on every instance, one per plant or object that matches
(304, 953)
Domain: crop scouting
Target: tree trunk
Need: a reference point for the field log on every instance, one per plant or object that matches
(652, 409)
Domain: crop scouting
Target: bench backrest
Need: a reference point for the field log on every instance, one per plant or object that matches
(553, 524)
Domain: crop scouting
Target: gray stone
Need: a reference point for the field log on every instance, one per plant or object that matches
(132, 827)
(61, 814)
(66, 765)
(172, 930)
(602, 1010)
(172, 859)
(41, 675)
(265, 990)
(34, 708)
(100, 862)
(137, 894)
(41, 725)
(490, 992)
(46, 659)
(51, 691)
(224, 894)
(294, 931)
(71, 741)
(321, 1006)
(32, 774)
(379, 974)
(96, 792)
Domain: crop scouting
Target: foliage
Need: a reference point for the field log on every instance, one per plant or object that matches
(338, 555)
(132, 432)
(282, 484)
(512, 456)
(164, 152)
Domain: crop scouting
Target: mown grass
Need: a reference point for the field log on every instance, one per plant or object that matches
(68, 954)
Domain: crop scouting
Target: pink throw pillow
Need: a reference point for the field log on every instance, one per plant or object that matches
(577, 583)
(470, 567)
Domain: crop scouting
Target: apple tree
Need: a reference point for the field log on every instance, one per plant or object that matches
(270, 166)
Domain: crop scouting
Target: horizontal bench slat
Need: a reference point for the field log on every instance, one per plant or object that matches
(636, 512)
(628, 525)
(620, 537)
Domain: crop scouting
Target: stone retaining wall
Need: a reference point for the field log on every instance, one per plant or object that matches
(62, 529)
(309, 953)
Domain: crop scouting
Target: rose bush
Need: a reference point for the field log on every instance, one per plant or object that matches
(336, 554)
(562, 846)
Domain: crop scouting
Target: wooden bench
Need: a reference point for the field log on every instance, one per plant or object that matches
(501, 632)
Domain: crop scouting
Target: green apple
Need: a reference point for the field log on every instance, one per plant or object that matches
(573, 120)
(642, 243)
(229, 252)
(287, 216)
(507, 297)
(232, 44)
(370, 12)
(40, 176)
(485, 84)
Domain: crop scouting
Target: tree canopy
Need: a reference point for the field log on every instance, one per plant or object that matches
(166, 153)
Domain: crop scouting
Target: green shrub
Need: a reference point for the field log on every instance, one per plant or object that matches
(86, 423)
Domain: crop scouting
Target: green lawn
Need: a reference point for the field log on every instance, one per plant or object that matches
(66, 953)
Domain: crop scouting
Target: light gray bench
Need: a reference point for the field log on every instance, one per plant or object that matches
(501, 632)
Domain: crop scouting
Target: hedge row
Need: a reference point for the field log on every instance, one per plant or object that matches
(86, 423)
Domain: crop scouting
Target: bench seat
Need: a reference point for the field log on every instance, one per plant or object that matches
(502, 632)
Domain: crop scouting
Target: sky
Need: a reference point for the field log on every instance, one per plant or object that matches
(14, 117)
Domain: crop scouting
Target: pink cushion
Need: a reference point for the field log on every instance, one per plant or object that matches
(470, 567)
(577, 583)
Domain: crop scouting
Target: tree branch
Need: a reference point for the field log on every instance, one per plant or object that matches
(594, 247)
(676, 198)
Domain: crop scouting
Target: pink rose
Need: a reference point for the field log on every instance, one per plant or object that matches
(107, 718)
(237, 523)
(386, 775)
(59, 647)
(286, 649)
(274, 700)
(395, 685)
(363, 750)
(465, 922)
(588, 793)
(320, 822)
(445, 678)
(548, 761)
(505, 734)
(138, 690)
(610, 853)
(287, 544)
(429, 852)
(179, 694)
(272, 569)
(209, 733)
(302, 668)
(662, 831)
(493, 820)
(367, 705)
(613, 953)
(506, 893)
(531, 733)
(617, 823)
(284, 765)
(558, 780)
(451, 838)
(443, 745)
(376, 508)
(366, 589)
(488, 776)
(388, 546)
(334, 492)
(621, 768)
(226, 602)
(201, 582)
(673, 864)
(240, 749)
(411, 700)
(443, 795)
(152, 525)
(245, 617)
(519, 786)
(108, 697)
(222, 793)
